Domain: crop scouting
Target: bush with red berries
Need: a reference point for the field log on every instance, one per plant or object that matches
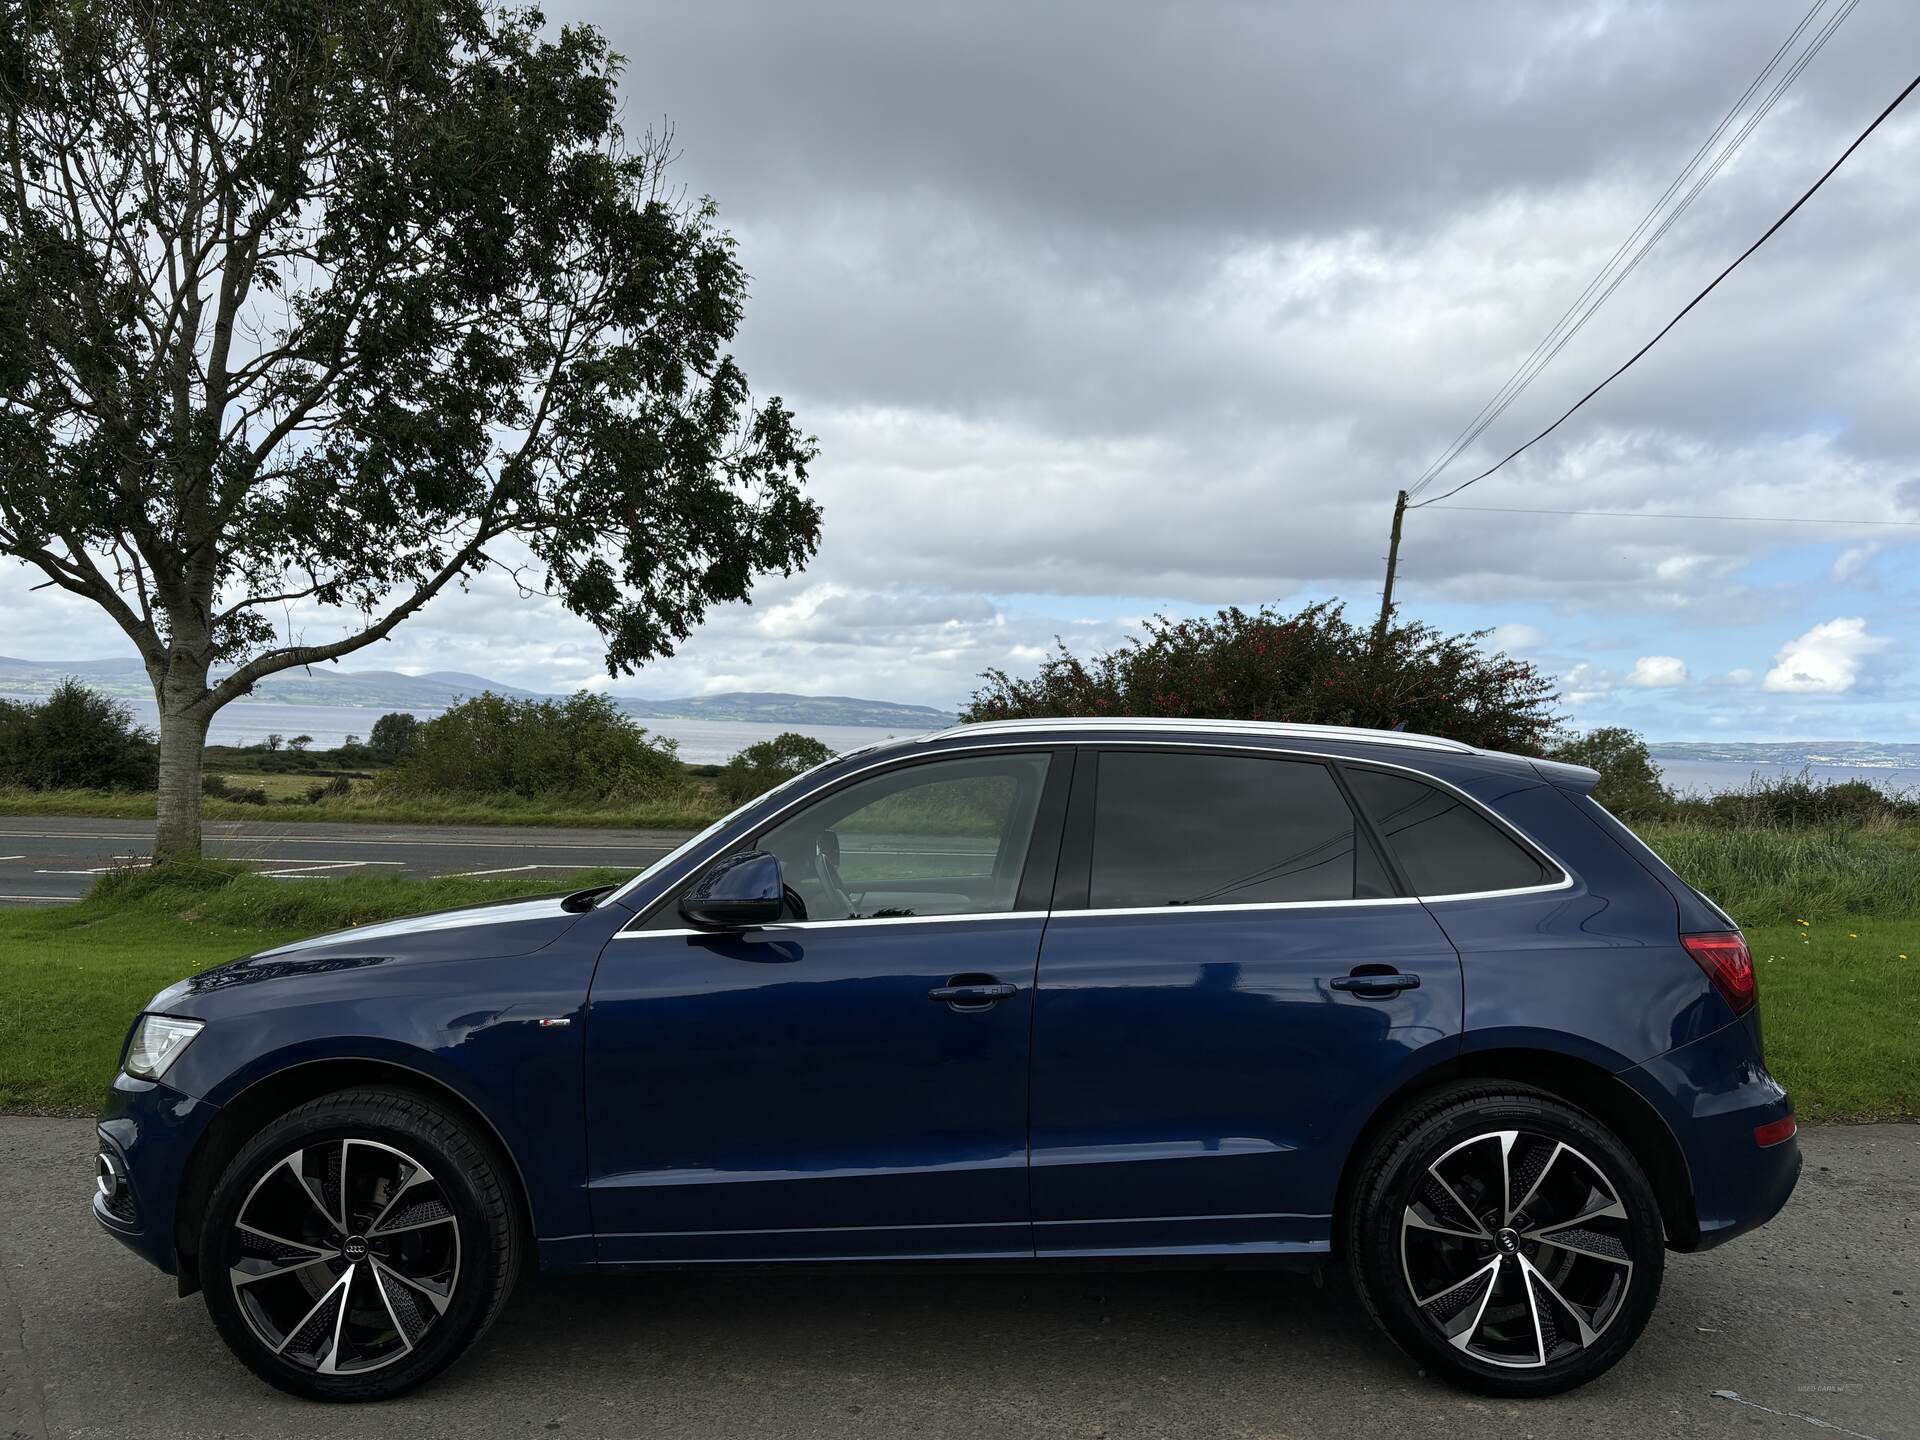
(1310, 667)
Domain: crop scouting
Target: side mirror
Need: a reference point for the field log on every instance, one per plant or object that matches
(735, 892)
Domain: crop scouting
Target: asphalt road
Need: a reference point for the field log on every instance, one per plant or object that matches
(1810, 1323)
(52, 861)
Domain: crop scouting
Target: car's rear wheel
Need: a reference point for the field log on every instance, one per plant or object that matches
(1505, 1239)
(359, 1244)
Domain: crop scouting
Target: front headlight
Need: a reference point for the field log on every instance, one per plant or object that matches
(156, 1043)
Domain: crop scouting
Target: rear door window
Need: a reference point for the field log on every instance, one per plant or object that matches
(1443, 844)
(1174, 828)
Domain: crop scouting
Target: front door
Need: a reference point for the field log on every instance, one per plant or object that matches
(1229, 986)
(852, 1081)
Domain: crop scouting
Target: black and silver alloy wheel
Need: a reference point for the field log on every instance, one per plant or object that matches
(359, 1244)
(348, 1254)
(1505, 1239)
(1517, 1249)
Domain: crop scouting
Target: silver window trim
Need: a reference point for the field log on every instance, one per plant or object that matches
(904, 758)
(979, 915)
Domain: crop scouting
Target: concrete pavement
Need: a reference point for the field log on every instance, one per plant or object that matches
(53, 860)
(1807, 1328)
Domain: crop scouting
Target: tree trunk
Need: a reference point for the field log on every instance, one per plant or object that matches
(183, 746)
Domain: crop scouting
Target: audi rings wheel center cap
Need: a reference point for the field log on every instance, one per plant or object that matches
(1508, 1240)
(355, 1250)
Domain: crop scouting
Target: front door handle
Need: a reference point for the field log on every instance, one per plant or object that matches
(966, 994)
(1370, 984)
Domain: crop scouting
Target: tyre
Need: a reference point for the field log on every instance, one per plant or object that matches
(1505, 1239)
(359, 1244)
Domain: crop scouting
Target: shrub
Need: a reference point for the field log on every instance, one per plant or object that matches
(1311, 667)
(221, 788)
(584, 748)
(1629, 781)
(352, 752)
(338, 788)
(763, 765)
(392, 736)
(75, 739)
(1800, 801)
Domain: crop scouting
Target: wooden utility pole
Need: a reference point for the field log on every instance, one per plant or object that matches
(1393, 562)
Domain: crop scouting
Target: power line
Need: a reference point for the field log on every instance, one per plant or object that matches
(1651, 515)
(1779, 89)
(1529, 370)
(1688, 307)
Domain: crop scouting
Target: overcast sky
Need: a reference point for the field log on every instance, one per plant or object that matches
(1101, 309)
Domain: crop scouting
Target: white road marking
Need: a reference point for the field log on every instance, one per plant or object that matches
(447, 843)
(505, 870)
(303, 869)
(129, 862)
(44, 899)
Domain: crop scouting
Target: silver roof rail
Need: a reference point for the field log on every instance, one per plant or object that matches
(1351, 733)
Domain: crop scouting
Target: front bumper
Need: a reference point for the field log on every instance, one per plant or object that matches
(1713, 1094)
(147, 1132)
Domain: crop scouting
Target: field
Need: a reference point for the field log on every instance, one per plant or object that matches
(1833, 918)
(253, 783)
(696, 809)
(1762, 875)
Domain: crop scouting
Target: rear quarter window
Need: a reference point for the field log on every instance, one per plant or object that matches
(1444, 845)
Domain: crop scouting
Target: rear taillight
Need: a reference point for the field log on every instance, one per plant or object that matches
(1729, 965)
(1774, 1132)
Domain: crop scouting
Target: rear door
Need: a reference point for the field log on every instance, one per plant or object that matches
(1229, 985)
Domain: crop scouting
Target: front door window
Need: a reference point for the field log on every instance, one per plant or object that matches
(945, 838)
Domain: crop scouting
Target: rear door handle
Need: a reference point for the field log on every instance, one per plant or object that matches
(973, 996)
(1375, 985)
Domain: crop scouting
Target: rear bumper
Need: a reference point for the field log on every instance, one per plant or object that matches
(1713, 1094)
(148, 1131)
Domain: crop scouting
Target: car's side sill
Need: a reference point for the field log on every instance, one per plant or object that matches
(1194, 1257)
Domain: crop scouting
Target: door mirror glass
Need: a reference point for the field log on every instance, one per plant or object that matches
(735, 892)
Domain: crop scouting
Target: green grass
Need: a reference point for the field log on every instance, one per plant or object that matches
(1841, 1011)
(1842, 1007)
(75, 977)
(1765, 875)
(695, 808)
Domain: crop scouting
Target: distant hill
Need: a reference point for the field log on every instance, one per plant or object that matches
(392, 690)
(773, 707)
(1858, 754)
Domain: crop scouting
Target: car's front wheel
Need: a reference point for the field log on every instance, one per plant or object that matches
(359, 1244)
(1505, 1239)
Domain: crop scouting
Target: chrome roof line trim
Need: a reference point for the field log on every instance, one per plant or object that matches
(1353, 734)
(893, 754)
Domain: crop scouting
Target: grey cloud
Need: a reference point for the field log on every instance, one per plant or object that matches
(1219, 116)
(1161, 302)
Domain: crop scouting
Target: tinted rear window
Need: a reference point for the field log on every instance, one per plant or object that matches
(1445, 846)
(1174, 829)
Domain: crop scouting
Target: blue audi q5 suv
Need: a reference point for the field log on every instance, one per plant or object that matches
(1015, 993)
